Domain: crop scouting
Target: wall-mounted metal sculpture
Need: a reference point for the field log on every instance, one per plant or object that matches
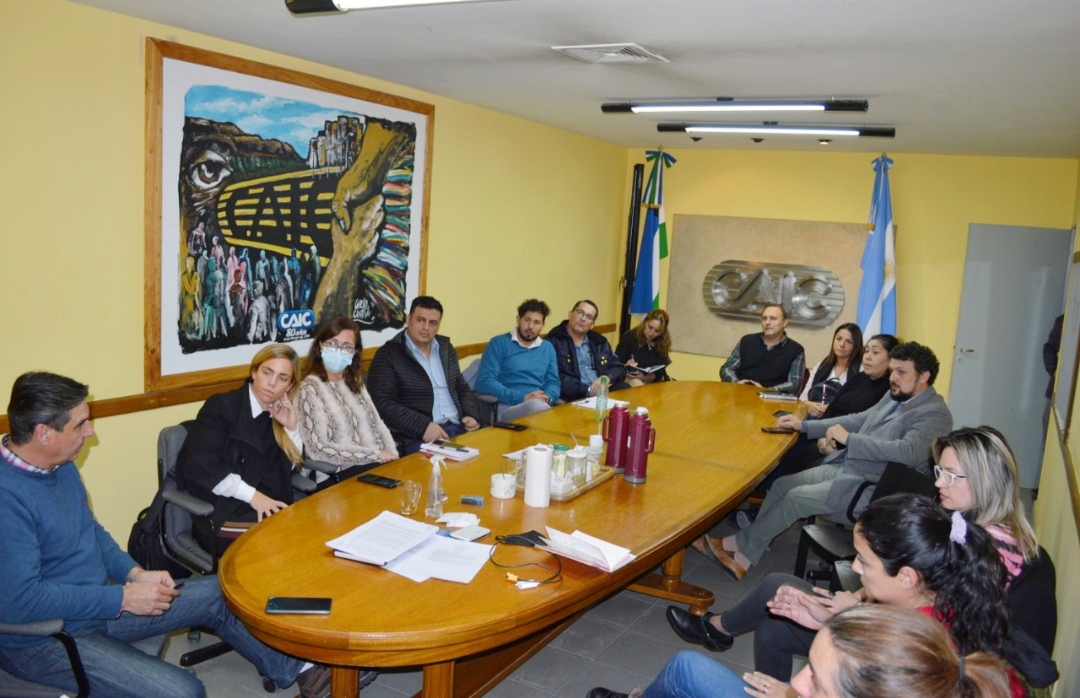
(812, 296)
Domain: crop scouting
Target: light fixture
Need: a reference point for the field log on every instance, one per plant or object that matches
(730, 104)
(778, 129)
(305, 7)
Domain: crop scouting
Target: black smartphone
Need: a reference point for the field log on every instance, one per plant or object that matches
(510, 425)
(780, 413)
(307, 605)
(379, 480)
(777, 430)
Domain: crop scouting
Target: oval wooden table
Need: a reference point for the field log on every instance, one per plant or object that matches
(710, 452)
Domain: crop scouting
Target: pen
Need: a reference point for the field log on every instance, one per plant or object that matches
(452, 446)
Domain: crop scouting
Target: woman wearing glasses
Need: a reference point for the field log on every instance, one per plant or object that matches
(338, 421)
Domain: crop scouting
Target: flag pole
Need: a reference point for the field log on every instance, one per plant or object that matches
(633, 224)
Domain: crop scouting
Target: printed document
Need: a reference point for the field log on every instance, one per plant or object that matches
(587, 549)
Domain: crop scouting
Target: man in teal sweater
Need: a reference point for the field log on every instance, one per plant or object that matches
(519, 368)
(58, 562)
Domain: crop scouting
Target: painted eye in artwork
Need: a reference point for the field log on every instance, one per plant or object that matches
(209, 170)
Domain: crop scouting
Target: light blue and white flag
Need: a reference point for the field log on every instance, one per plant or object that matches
(654, 243)
(876, 313)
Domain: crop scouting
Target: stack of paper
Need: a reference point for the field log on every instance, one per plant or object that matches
(412, 549)
(590, 403)
(587, 549)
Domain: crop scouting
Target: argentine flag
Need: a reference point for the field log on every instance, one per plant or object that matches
(654, 246)
(876, 312)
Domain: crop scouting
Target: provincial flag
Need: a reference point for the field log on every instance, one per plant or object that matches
(654, 243)
(876, 311)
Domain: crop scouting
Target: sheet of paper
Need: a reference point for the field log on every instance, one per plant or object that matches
(590, 403)
(588, 550)
(383, 538)
(442, 558)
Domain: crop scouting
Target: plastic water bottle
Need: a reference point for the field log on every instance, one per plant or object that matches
(601, 398)
(434, 490)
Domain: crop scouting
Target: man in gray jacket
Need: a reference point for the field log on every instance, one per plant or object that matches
(900, 428)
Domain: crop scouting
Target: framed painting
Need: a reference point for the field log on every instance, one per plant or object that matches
(275, 201)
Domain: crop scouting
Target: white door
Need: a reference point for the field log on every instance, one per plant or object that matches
(1014, 287)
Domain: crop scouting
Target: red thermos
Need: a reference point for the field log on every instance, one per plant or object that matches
(642, 441)
(616, 426)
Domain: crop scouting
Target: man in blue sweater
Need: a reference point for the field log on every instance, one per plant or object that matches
(58, 562)
(519, 368)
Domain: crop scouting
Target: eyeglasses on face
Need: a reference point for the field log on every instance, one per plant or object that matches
(347, 348)
(952, 477)
(581, 313)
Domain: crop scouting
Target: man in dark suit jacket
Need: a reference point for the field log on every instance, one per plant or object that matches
(583, 356)
(416, 383)
(900, 428)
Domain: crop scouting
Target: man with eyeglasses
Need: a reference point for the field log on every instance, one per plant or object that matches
(416, 384)
(583, 355)
(519, 368)
(900, 428)
(767, 359)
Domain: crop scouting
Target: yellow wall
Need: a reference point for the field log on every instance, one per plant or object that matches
(1058, 527)
(934, 198)
(517, 209)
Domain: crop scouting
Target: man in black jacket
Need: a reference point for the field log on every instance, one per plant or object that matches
(583, 355)
(416, 383)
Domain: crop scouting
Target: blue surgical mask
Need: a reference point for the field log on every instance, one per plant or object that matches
(335, 360)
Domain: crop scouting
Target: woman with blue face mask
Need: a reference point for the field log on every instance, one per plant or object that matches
(338, 421)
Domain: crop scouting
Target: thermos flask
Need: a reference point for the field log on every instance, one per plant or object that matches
(642, 441)
(616, 425)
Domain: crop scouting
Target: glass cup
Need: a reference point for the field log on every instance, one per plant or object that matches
(410, 497)
(516, 465)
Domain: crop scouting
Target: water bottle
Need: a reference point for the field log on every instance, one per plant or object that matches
(615, 429)
(642, 441)
(434, 490)
(601, 398)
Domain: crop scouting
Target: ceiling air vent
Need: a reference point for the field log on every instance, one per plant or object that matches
(612, 53)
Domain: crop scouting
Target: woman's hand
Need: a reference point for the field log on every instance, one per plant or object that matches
(387, 456)
(765, 686)
(815, 409)
(284, 413)
(839, 601)
(798, 606)
(264, 506)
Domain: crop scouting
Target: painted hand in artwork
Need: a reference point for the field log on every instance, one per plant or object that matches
(354, 285)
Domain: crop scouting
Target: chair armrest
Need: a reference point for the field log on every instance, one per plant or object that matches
(189, 503)
(855, 501)
(485, 397)
(42, 628)
(321, 466)
(303, 484)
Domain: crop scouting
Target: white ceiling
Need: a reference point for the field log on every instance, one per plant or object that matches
(974, 77)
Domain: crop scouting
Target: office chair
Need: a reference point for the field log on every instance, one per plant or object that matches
(833, 544)
(489, 404)
(12, 687)
(181, 516)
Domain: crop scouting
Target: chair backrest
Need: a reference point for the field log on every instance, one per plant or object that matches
(897, 478)
(176, 524)
(470, 373)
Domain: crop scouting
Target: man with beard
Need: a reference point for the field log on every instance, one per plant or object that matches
(900, 428)
(519, 368)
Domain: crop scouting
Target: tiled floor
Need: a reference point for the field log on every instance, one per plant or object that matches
(621, 643)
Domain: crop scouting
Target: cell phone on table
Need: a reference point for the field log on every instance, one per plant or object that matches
(379, 480)
(304, 605)
(510, 425)
(780, 413)
(777, 430)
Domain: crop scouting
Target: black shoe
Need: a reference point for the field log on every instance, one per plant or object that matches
(605, 693)
(367, 677)
(698, 629)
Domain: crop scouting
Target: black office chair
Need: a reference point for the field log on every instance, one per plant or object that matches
(181, 516)
(12, 687)
(835, 543)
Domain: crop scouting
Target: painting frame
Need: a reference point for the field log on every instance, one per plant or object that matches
(160, 370)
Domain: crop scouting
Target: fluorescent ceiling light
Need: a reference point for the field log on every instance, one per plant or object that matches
(777, 129)
(728, 104)
(300, 7)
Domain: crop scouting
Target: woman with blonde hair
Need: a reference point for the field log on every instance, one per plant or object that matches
(646, 346)
(240, 452)
(338, 421)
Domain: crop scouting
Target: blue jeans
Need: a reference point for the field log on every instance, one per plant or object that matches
(692, 675)
(115, 668)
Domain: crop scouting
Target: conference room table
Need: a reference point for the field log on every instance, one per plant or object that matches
(709, 454)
